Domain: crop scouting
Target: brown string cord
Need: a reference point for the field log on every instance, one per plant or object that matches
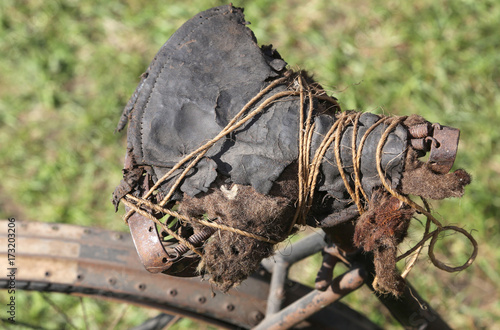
(179, 216)
(308, 170)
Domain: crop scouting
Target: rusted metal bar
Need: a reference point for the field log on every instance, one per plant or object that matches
(331, 255)
(277, 288)
(314, 301)
(297, 251)
(279, 264)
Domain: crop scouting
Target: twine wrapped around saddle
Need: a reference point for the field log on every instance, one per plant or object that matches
(229, 153)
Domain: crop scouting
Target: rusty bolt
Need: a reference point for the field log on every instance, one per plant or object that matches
(202, 299)
(141, 286)
(420, 131)
(173, 292)
(230, 307)
(256, 317)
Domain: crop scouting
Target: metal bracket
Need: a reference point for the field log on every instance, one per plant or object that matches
(444, 151)
(441, 141)
(152, 253)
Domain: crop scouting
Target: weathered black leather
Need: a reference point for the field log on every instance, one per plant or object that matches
(200, 79)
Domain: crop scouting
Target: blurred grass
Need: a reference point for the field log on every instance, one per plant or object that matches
(68, 68)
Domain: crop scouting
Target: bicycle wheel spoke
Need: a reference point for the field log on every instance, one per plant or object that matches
(160, 321)
(119, 317)
(57, 309)
(84, 312)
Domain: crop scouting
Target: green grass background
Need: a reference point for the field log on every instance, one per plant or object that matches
(67, 68)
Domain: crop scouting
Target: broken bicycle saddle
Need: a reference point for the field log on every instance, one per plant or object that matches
(223, 137)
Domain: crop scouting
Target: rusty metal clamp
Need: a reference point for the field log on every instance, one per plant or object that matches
(150, 246)
(444, 152)
(152, 253)
(440, 141)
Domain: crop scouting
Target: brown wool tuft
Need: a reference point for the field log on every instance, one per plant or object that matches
(379, 230)
(418, 179)
(229, 258)
(388, 280)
